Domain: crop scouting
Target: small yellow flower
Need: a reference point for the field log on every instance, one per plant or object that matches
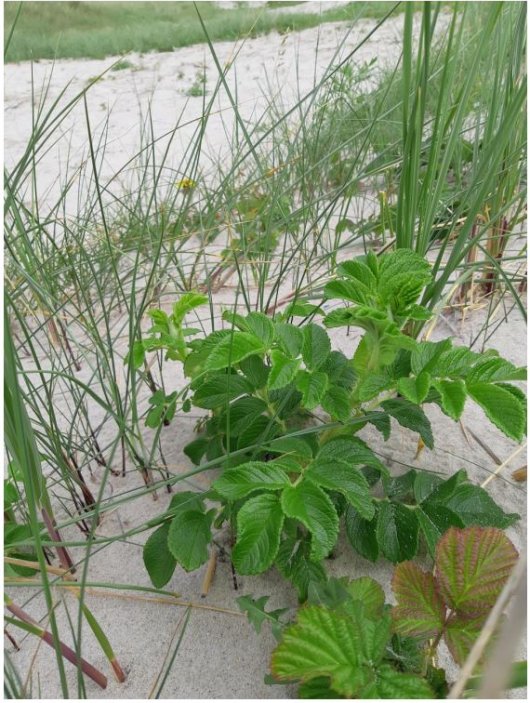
(186, 184)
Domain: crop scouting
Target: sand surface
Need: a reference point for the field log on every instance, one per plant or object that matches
(221, 656)
(123, 103)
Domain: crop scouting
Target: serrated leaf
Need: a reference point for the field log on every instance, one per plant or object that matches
(474, 506)
(243, 412)
(196, 449)
(424, 484)
(233, 349)
(395, 684)
(351, 450)
(245, 479)
(397, 532)
(186, 500)
(501, 407)
(136, 355)
(453, 396)
(472, 566)
(460, 635)
(260, 326)
(495, 369)
(259, 525)
(416, 388)
(293, 446)
(362, 534)
(425, 355)
(256, 613)
(370, 594)
(381, 422)
(316, 346)
(290, 339)
(312, 386)
(186, 303)
(372, 385)
(357, 270)
(158, 560)
(189, 536)
(354, 291)
(336, 402)
(317, 688)
(441, 491)
(339, 370)
(294, 564)
(283, 370)
(420, 609)
(321, 643)
(400, 486)
(255, 370)
(219, 390)
(410, 416)
(314, 509)
(434, 521)
(455, 363)
(336, 475)
(261, 430)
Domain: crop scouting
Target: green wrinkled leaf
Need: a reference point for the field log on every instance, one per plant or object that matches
(416, 388)
(501, 407)
(434, 521)
(189, 536)
(260, 326)
(321, 643)
(475, 507)
(351, 450)
(425, 356)
(242, 413)
(186, 303)
(395, 684)
(397, 532)
(370, 594)
(453, 397)
(245, 479)
(316, 346)
(255, 370)
(289, 338)
(312, 386)
(336, 402)
(424, 484)
(232, 349)
(314, 509)
(294, 563)
(283, 370)
(339, 476)
(317, 688)
(410, 416)
(196, 449)
(362, 534)
(259, 526)
(158, 560)
(219, 390)
(495, 369)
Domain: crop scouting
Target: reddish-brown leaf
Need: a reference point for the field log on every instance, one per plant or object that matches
(420, 610)
(472, 566)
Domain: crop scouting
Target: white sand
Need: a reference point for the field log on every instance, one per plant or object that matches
(290, 64)
(220, 656)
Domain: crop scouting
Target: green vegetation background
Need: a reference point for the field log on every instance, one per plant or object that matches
(47, 30)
